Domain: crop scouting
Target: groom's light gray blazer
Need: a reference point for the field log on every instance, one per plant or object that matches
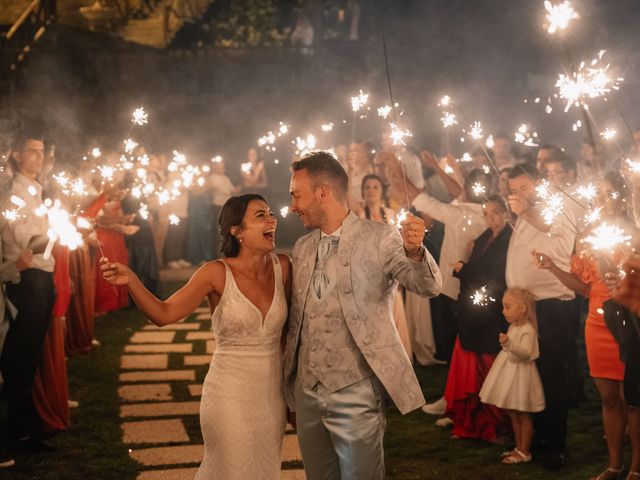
(371, 259)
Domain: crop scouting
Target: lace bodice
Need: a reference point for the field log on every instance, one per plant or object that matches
(236, 321)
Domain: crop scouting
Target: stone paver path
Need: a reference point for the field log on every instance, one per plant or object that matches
(162, 370)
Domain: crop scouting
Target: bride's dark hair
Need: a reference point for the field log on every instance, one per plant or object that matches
(231, 215)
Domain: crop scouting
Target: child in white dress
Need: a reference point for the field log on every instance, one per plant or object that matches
(513, 383)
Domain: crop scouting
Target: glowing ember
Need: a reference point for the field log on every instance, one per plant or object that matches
(246, 167)
(476, 131)
(359, 101)
(130, 145)
(608, 134)
(558, 16)
(607, 237)
(95, 152)
(479, 189)
(481, 298)
(174, 219)
(384, 111)
(398, 136)
(327, 127)
(140, 117)
(448, 120)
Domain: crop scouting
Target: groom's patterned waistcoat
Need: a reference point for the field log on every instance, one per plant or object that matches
(370, 259)
(328, 352)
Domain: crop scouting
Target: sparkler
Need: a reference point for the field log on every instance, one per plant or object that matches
(479, 189)
(490, 142)
(523, 136)
(448, 119)
(95, 152)
(359, 101)
(481, 298)
(587, 192)
(130, 145)
(554, 206)
(284, 211)
(32, 190)
(140, 117)
(326, 127)
(608, 134)
(216, 159)
(607, 237)
(586, 82)
(384, 111)
(398, 136)
(174, 219)
(476, 132)
(246, 167)
(558, 16)
(592, 216)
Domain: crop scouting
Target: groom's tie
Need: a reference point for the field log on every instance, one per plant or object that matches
(320, 277)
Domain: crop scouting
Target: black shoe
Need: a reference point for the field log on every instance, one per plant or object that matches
(554, 461)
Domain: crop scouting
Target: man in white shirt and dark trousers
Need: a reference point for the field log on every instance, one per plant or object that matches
(33, 296)
(556, 309)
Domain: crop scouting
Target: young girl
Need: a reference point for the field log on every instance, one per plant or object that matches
(513, 383)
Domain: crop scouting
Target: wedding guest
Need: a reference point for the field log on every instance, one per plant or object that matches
(513, 383)
(199, 229)
(175, 247)
(374, 195)
(254, 175)
(222, 189)
(24, 343)
(603, 353)
(359, 163)
(502, 149)
(480, 321)
(556, 310)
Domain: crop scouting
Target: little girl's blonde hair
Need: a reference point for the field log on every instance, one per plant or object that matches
(529, 301)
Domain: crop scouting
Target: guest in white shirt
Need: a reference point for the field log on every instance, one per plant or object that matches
(33, 295)
(556, 310)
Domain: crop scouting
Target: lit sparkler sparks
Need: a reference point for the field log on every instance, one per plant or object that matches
(359, 101)
(384, 111)
(216, 159)
(246, 167)
(476, 132)
(558, 16)
(553, 207)
(326, 127)
(479, 189)
(587, 192)
(608, 134)
(587, 82)
(284, 211)
(523, 136)
(481, 297)
(398, 136)
(592, 216)
(445, 101)
(143, 211)
(305, 145)
(96, 152)
(130, 145)
(140, 117)
(11, 215)
(607, 237)
(448, 119)
(174, 219)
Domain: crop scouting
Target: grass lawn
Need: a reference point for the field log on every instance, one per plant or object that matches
(415, 447)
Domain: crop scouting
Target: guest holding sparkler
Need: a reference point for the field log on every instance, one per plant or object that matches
(603, 353)
(480, 321)
(24, 343)
(556, 310)
(359, 165)
(374, 195)
(112, 228)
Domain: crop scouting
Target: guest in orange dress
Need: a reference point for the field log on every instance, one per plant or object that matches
(603, 353)
(111, 231)
(50, 389)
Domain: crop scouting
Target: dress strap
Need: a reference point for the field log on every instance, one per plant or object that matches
(277, 269)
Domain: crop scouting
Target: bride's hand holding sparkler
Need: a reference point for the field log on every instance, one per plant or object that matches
(115, 273)
(413, 229)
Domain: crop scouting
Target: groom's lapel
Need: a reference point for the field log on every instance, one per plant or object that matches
(306, 263)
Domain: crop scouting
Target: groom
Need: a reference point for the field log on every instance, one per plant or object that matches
(342, 348)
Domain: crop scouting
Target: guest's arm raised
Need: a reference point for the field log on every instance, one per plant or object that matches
(208, 278)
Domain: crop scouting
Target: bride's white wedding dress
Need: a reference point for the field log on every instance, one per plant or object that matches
(243, 411)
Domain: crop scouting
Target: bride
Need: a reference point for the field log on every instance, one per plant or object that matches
(242, 411)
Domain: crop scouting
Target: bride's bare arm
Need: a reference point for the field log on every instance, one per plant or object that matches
(208, 278)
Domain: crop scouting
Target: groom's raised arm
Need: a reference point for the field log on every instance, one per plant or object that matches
(421, 277)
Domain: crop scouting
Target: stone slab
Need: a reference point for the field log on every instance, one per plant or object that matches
(152, 337)
(160, 348)
(154, 431)
(201, 317)
(173, 326)
(138, 362)
(203, 310)
(211, 346)
(297, 474)
(192, 360)
(138, 393)
(195, 390)
(170, 474)
(200, 336)
(151, 376)
(164, 409)
(290, 449)
(180, 455)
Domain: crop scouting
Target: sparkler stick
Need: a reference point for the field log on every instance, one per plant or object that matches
(393, 112)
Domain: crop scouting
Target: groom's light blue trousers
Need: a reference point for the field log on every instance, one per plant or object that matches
(341, 433)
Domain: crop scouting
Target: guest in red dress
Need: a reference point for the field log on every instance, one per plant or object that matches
(80, 315)
(111, 232)
(50, 389)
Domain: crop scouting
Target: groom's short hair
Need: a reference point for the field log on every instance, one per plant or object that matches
(323, 167)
